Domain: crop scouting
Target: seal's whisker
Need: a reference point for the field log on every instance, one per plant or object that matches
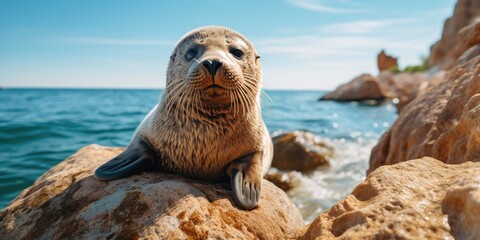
(246, 104)
(251, 89)
(174, 94)
(253, 98)
(241, 105)
(267, 98)
(232, 100)
(198, 103)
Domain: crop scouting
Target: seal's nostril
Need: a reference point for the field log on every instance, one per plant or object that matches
(212, 65)
(216, 64)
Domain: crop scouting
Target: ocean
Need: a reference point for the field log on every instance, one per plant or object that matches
(41, 127)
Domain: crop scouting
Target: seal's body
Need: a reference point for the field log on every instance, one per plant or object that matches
(208, 124)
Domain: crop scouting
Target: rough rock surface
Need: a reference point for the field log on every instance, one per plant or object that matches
(443, 124)
(417, 199)
(300, 151)
(67, 202)
(446, 51)
(469, 36)
(386, 62)
(363, 87)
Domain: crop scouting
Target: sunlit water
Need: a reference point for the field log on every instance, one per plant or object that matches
(41, 127)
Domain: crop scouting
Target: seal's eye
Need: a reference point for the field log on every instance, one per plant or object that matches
(236, 53)
(191, 53)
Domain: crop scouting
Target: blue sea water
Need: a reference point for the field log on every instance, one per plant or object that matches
(41, 127)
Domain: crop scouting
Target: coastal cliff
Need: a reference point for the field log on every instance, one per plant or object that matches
(423, 177)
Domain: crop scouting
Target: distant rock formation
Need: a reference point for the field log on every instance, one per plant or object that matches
(418, 199)
(402, 87)
(386, 62)
(448, 49)
(363, 87)
(68, 203)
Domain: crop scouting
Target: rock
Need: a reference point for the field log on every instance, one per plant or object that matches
(300, 151)
(386, 62)
(404, 87)
(469, 36)
(363, 87)
(443, 124)
(285, 180)
(67, 202)
(446, 51)
(417, 199)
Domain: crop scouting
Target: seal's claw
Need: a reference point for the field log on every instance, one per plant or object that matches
(246, 194)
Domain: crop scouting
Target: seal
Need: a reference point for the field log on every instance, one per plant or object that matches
(208, 124)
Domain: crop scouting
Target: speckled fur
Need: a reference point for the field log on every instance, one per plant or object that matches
(197, 139)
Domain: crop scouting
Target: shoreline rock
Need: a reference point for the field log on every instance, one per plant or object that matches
(300, 151)
(417, 199)
(68, 202)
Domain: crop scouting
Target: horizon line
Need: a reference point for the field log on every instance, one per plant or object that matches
(134, 88)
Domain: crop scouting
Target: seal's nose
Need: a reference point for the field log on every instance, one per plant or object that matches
(212, 65)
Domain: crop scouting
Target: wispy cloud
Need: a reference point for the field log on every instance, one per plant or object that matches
(364, 26)
(322, 46)
(349, 39)
(317, 6)
(116, 41)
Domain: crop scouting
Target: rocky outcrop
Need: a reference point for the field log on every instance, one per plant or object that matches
(67, 202)
(418, 199)
(363, 87)
(443, 124)
(449, 48)
(386, 62)
(300, 151)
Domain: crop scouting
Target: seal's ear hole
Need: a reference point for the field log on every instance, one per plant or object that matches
(257, 59)
(172, 57)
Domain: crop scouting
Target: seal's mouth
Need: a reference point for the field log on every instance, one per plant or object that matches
(215, 90)
(214, 86)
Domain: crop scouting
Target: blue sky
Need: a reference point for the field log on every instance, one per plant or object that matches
(304, 44)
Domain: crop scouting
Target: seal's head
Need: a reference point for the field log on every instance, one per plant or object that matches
(216, 69)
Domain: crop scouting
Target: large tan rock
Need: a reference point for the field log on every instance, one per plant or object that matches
(446, 51)
(417, 199)
(443, 123)
(68, 203)
(386, 62)
(300, 151)
(363, 87)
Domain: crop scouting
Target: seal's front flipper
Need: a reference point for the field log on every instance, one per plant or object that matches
(246, 180)
(136, 158)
